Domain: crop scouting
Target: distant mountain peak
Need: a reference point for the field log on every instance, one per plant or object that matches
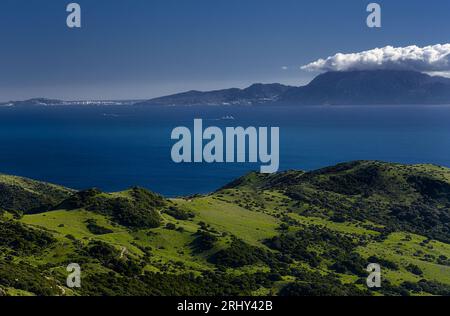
(358, 87)
(257, 93)
(372, 87)
(34, 102)
(43, 101)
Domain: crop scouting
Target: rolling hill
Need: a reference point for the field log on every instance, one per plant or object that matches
(291, 233)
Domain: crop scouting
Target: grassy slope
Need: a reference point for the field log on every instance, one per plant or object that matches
(252, 210)
(401, 250)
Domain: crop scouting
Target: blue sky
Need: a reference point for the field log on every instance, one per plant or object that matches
(144, 48)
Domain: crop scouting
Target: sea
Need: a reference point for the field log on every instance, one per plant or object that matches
(116, 147)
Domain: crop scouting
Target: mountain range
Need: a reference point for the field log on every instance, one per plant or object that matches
(370, 87)
(255, 94)
(376, 87)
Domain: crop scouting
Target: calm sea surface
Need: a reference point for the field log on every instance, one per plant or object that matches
(113, 148)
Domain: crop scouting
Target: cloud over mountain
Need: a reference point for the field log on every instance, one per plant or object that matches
(435, 58)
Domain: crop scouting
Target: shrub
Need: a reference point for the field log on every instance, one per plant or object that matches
(204, 241)
(96, 229)
(178, 213)
(414, 269)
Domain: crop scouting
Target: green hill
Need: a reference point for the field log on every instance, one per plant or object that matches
(412, 198)
(292, 233)
(25, 195)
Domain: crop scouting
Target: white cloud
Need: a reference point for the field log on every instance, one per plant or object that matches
(431, 59)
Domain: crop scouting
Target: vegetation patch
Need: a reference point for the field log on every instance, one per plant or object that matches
(138, 209)
(178, 213)
(27, 278)
(21, 195)
(23, 239)
(240, 254)
(96, 229)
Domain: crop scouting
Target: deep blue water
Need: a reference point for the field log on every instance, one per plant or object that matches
(113, 148)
